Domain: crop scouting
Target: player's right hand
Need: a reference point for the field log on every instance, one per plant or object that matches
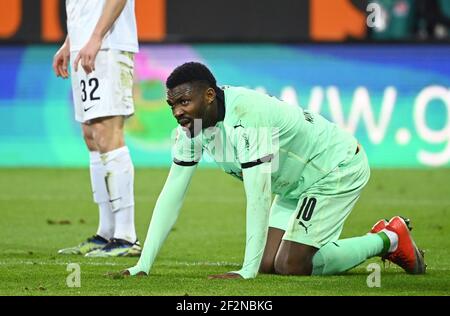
(61, 61)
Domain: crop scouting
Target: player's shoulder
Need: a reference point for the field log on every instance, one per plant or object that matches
(244, 105)
(236, 95)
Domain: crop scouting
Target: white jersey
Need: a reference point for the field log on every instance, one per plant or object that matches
(82, 17)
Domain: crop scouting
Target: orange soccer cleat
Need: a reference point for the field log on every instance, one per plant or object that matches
(379, 226)
(407, 255)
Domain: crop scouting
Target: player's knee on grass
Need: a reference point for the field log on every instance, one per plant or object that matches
(267, 266)
(294, 259)
(296, 267)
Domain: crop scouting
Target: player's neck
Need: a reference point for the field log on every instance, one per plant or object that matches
(220, 99)
(217, 109)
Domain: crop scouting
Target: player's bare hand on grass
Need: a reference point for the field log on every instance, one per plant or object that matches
(127, 273)
(225, 276)
(61, 61)
(124, 274)
(87, 54)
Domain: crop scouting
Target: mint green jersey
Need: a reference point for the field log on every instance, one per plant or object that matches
(303, 146)
(274, 147)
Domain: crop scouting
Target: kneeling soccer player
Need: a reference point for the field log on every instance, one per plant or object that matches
(316, 170)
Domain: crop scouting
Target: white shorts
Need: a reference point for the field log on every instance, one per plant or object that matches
(107, 91)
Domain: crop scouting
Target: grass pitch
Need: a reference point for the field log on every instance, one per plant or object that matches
(43, 210)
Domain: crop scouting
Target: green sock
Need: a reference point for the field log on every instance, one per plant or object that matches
(386, 242)
(342, 255)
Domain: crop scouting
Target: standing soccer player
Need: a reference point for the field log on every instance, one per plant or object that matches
(315, 169)
(101, 42)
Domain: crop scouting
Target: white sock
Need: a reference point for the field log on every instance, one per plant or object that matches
(101, 197)
(125, 224)
(120, 186)
(393, 237)
(106, 222)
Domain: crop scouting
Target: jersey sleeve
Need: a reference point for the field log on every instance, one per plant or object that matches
(253, 131)
(165, 214)
(254, 146)
(257, 185)
(186, 151)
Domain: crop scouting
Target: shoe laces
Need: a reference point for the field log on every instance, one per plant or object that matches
(115, 243)
(95, 239)
(91, 239)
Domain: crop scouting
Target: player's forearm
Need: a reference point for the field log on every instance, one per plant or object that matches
(259, 196)
(111, 12)
(165, 214)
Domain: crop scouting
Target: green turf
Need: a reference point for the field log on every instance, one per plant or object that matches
(42, 210)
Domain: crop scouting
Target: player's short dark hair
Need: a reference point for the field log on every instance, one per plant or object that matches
(191, 72)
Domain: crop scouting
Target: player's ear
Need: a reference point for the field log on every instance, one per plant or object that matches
(210, 95)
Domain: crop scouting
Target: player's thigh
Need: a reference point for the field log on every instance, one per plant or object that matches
(274, 237)
(108, 132)
(107, 91)
(280, 214)
(88, 137)
(324, 207)
(319, 219)
(108, 124)
(294, 258)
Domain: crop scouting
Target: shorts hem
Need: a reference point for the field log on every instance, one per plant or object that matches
(305, 241)
(281, 227)
(93, 117)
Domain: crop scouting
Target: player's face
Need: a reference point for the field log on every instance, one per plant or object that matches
(189, 103)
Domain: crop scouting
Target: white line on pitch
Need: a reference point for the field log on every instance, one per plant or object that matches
(59, 263)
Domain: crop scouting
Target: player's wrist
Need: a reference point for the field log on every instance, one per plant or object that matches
(97, 37)
(65, 48)
(245, 274)
(135, 270)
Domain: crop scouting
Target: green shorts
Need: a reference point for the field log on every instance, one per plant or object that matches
(318, 216)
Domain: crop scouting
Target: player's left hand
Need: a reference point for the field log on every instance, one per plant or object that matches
(225, 276)
(87, 54)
